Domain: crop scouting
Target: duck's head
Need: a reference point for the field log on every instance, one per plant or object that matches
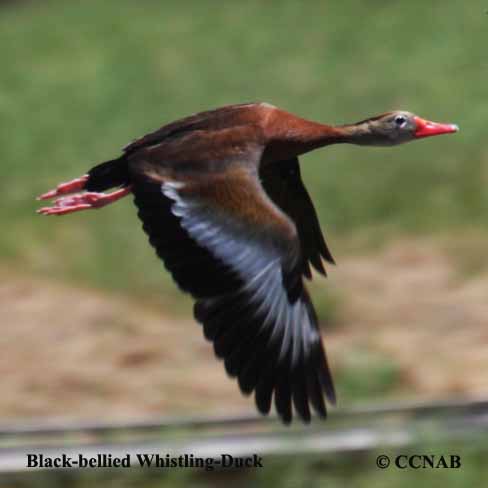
(394, 128)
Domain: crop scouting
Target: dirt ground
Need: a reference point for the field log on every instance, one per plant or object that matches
(76, 353)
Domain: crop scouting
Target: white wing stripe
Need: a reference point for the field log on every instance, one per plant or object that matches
(261, 272)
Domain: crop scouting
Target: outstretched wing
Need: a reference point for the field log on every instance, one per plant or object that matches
(238, 254)
(283, 183)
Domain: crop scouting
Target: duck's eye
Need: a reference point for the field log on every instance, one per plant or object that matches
(400, 121)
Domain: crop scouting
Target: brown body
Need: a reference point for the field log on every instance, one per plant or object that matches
(219, 137)
(222, 201)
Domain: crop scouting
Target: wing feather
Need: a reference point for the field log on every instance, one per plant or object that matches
(282, 182)
(241, 263)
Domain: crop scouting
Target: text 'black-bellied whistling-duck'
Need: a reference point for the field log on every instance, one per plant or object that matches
(222, 201)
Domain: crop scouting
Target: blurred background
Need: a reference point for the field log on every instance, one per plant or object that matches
(92, 326)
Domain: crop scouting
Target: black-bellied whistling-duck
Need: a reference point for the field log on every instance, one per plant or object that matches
(222, 201)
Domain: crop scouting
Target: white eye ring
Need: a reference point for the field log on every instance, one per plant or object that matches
(400, 121)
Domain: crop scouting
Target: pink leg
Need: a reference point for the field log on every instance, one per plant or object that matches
(66, 188)
(83, 201)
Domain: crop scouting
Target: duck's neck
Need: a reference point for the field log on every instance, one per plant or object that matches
(289, 136)
(303, 136)
(315, 135)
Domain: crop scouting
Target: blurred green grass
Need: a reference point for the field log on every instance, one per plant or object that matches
(365, 375)
(81, 79)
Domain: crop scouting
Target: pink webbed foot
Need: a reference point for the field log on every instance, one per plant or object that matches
(67, 188)
(83, 201)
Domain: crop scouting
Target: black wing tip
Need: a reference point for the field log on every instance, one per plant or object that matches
(326, 380)
(328, 257)
(306, 419)
(263, 402)
(283, 402)
(328, 386)
(325, 251)
(320, 269)
(302, 410)
(284, 410)
(322, 414)
(246, 393)
(318, 264)
(331, 395)
(286, 418)
(263, 408)
(199, 311)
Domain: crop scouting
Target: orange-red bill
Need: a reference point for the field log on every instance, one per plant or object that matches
(426, 128)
